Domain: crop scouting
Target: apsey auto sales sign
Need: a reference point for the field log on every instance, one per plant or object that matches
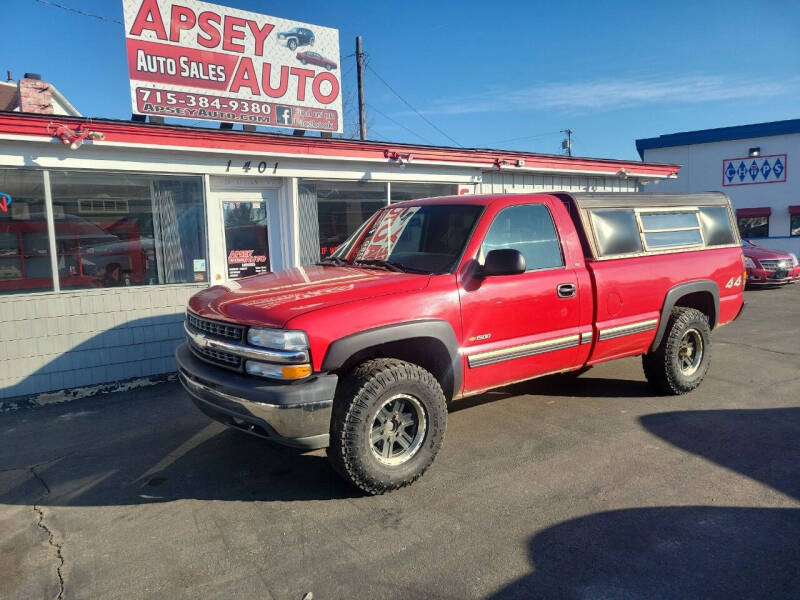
(196, 60)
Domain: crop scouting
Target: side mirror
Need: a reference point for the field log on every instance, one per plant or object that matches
(506, 261)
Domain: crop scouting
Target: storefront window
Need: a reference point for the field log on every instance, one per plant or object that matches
(413, 191)
(24, 249)
(794, 226)
(753, 227)
(246, 243)
(342, 206)
(118, 229)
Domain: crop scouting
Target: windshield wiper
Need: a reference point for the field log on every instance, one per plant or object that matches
(390, 265)
(379, 262)
(333, 260)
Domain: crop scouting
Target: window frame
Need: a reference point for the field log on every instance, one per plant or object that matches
(694, 210)
(585, 214)
(559, 241)
(51, 228)
(791, 217)
(766, 224)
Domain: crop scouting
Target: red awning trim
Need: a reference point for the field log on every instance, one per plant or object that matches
(145, 135)
(764, 211)
(794, 210)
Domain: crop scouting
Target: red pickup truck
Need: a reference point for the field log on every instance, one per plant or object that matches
(433, 300)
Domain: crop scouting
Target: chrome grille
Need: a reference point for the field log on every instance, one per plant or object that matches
(216, 329)
(225, 359)
(773, 264)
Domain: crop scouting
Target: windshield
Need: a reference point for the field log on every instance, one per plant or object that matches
(426, 239)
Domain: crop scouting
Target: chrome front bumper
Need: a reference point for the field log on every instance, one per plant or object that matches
(294, 414)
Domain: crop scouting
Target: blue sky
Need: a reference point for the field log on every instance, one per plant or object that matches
(503, 75)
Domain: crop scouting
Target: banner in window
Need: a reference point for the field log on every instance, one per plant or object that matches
(195, 60)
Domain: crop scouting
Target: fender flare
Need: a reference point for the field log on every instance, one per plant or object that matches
(342, 349)
(675, 294)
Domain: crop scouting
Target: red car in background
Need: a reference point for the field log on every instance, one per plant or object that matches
(316, 59)
(766, 266)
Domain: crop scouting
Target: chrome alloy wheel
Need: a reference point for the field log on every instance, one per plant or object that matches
(398, 430)
(690, 352)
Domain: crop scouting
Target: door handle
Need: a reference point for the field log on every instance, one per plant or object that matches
(566, 290)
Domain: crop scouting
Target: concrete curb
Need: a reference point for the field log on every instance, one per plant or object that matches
(68, 395)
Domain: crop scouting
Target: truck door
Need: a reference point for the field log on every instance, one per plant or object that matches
(519, 326)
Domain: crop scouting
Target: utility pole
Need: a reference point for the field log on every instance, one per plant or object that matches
(362, 114)
(567, 143)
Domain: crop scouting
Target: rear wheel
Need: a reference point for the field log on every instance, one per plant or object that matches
(388, 423)
(683, 357)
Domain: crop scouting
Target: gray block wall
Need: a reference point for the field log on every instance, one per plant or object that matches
(52, 342)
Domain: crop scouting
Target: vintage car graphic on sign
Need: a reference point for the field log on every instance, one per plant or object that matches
(313, 58)
(297, 36)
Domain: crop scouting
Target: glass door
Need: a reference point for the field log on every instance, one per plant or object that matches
(246, 237)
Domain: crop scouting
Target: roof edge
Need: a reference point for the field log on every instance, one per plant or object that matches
(119, 132)
(719, 134)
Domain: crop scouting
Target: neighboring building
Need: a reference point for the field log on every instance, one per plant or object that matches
(753, 164)
(112, 225)
(33, 95)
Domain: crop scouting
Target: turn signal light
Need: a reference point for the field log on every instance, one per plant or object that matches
(296, 371)
(274, 371)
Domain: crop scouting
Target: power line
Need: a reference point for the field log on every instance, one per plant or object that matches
(408, 104)
(411, 131)
(525, 137)
(78, 12)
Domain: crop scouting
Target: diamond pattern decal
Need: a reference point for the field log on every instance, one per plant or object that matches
(747, 171)
(754, 170)
(778, 167)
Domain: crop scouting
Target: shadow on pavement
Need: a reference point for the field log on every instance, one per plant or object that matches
(676, 552)
(688, 551)
(101, 452)
(570, 386)
(153, 445)
(763, 444)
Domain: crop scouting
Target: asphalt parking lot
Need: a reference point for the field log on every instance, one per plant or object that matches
(556, 488)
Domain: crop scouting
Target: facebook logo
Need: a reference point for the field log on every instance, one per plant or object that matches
(284, 115)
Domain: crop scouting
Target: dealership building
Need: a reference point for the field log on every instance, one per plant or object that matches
(752, 164)
(107, 227)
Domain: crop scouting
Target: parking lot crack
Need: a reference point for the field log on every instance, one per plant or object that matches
(51, 539)
(754, 347)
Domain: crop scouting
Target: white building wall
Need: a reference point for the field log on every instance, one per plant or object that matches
(520, 183)
(701, 171)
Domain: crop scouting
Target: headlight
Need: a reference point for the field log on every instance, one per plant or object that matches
(749, 263)
(277, 339)
(273, 371)
(794, 258)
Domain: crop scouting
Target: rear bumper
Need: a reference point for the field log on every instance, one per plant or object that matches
(296, 414)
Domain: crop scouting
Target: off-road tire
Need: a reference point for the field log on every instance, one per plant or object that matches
(662, 366)
(358, 398)
(292, 44)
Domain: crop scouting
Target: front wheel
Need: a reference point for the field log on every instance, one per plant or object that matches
(292, 43)
(388, 423)
(683, 357)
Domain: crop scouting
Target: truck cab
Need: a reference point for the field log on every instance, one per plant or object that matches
(437, 299)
